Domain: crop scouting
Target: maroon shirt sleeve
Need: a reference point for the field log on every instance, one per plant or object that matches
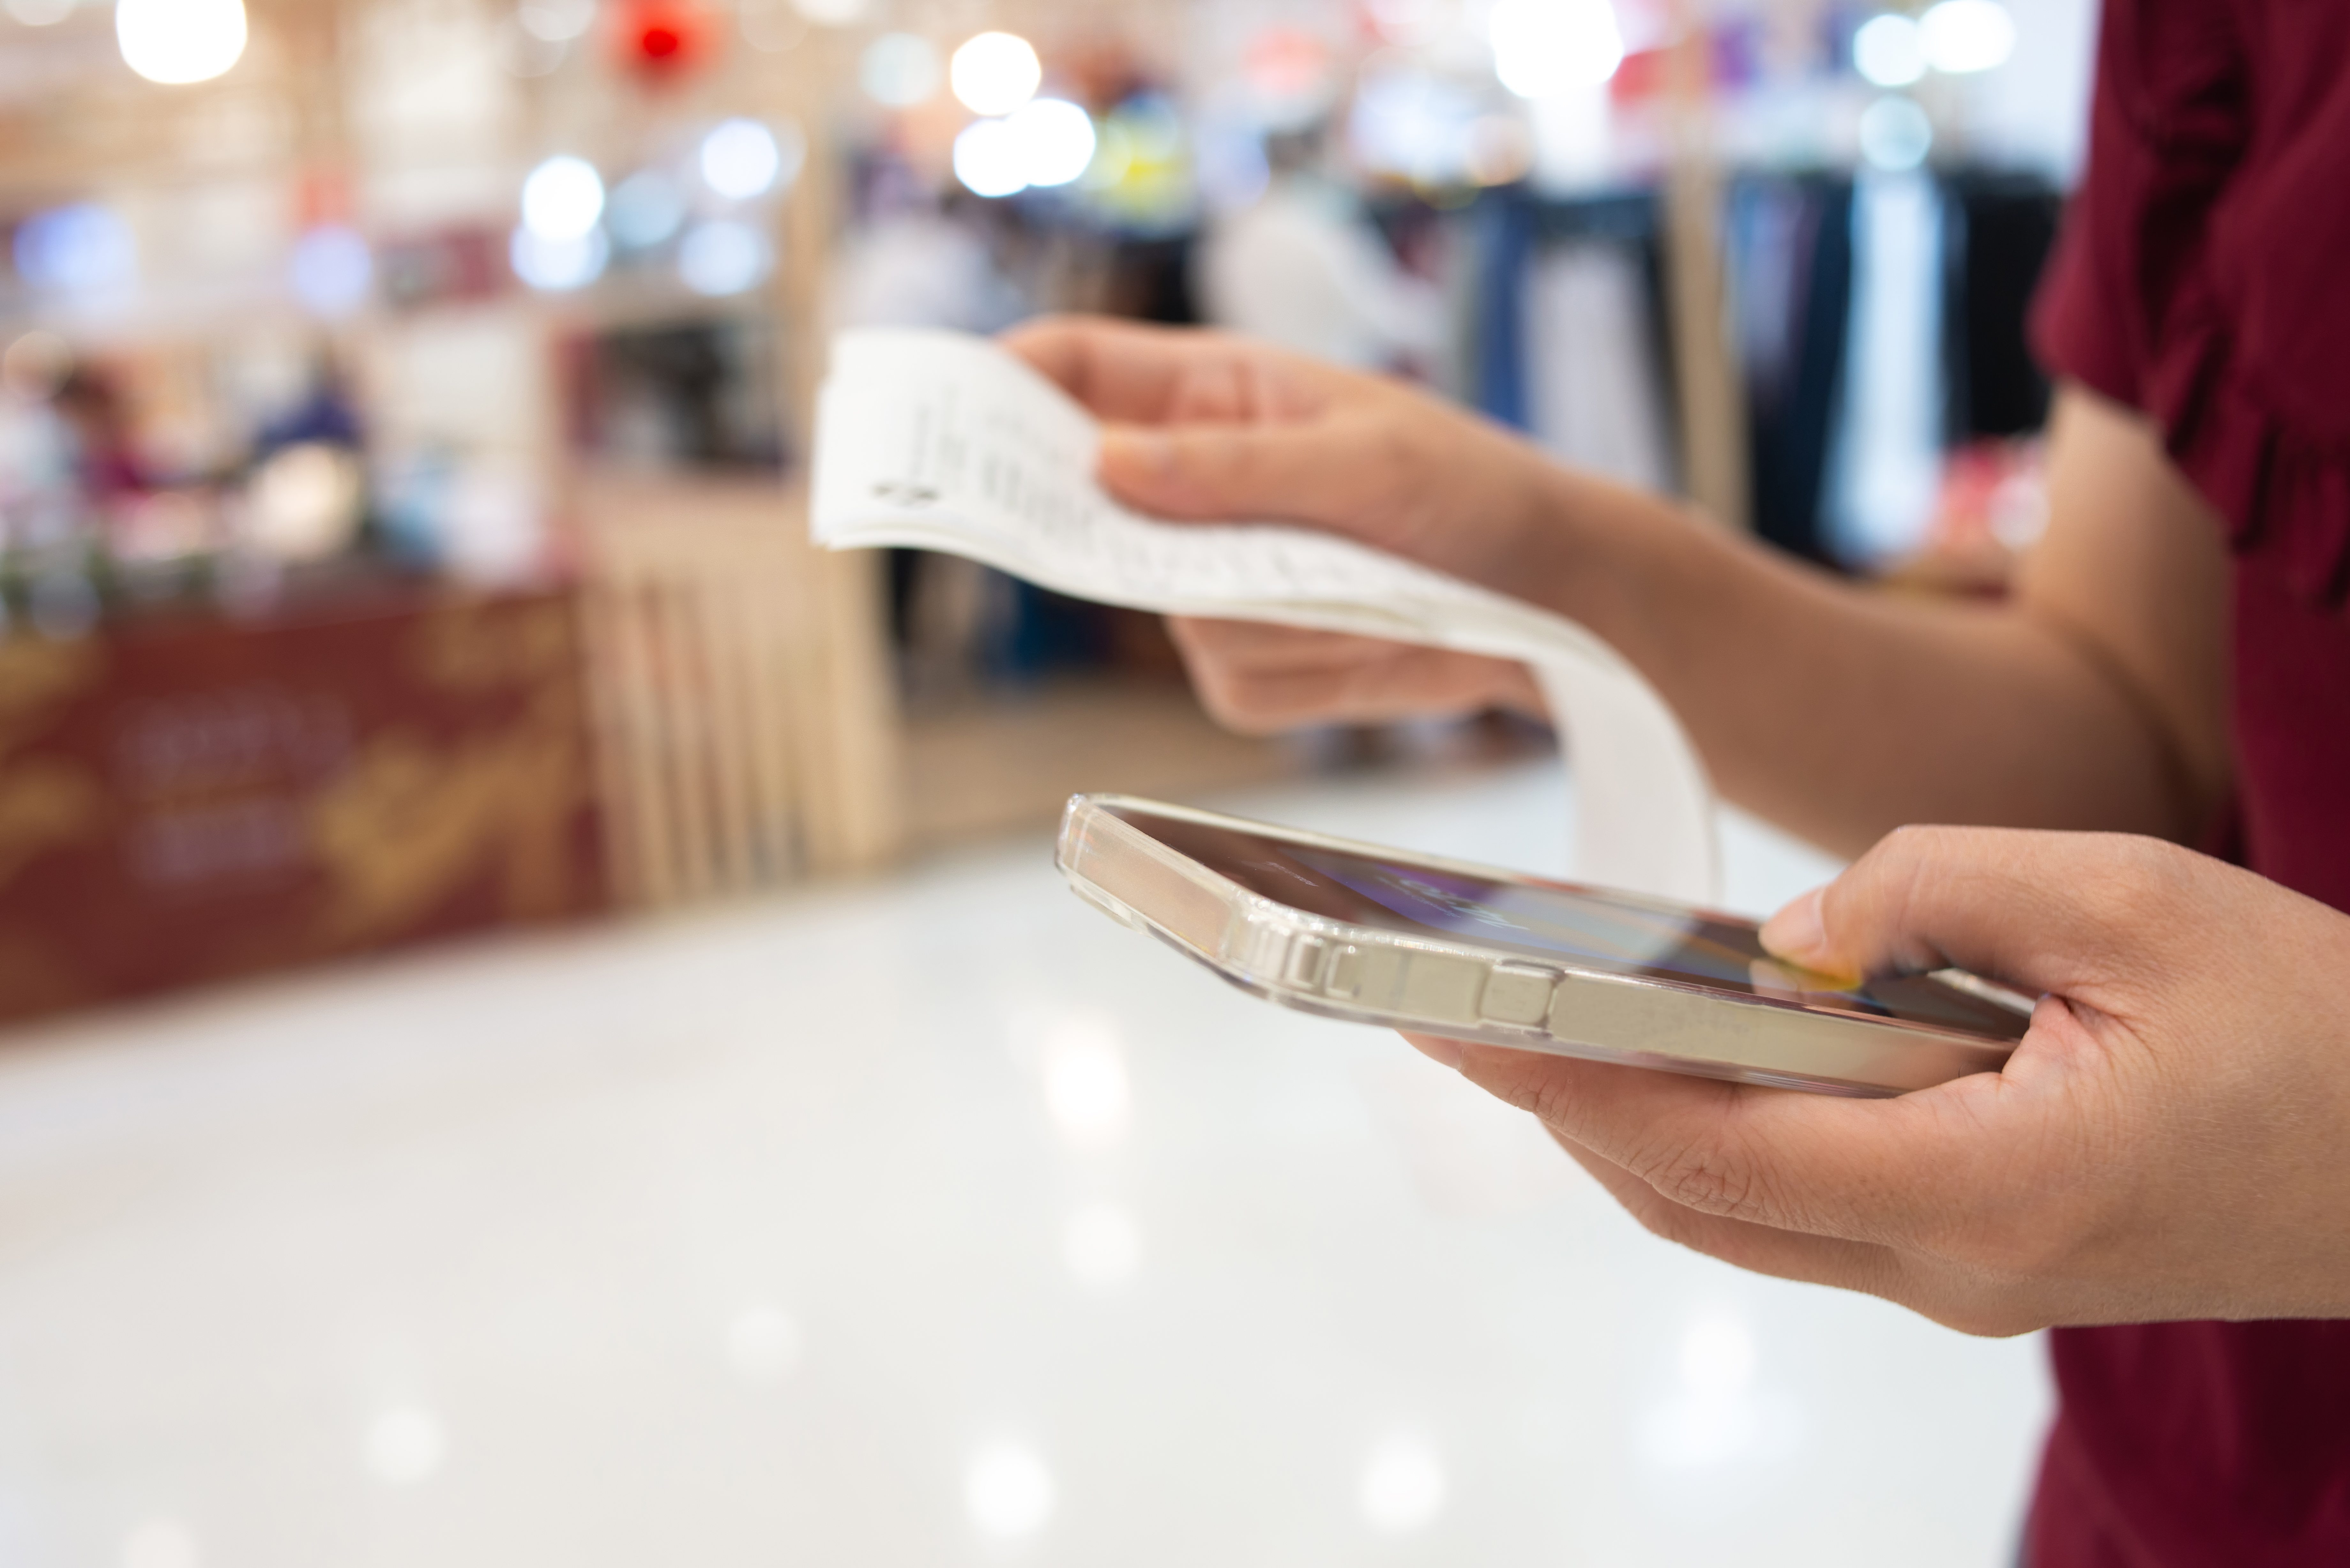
(2200, 279)
(2077, 330)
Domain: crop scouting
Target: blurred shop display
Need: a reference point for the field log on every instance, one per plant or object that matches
(677, 397)
(192, 802)
(328, 314)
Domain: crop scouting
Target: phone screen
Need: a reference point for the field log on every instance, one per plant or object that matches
(1589, 928)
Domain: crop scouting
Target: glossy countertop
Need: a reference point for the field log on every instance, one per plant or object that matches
(930, 1220)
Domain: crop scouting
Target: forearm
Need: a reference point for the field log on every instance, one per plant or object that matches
(2093, 698)
(1841, 713)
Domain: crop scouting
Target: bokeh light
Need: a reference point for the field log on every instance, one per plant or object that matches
(1008, 1490)
(995, 73)
(306, 502)
(1086, 1087)
(556, 21)
(178, 41)
(1716, 1355)
(405, 1446)
(162, 1543)
(1055, 140)
(1545, 47)
(722, 256)
(38, 13)
(763, 1344)
(646, 209)
(900, 70)
(332, 270)
(84, 248)
(1403, 1484)
(741, 159)
(1413, 123)
(1961, 36)
(562, 198)
(988, 158)
(1895, 134)
(557, 267)
(1102, 1246)
(1889, 51)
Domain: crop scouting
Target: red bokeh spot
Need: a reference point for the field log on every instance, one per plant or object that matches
(661, 38)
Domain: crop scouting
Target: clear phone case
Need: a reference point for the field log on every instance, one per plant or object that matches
(1445, 986)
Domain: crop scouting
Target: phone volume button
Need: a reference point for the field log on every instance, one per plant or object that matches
(1344, 978)
(1517, 993)
(1306, 955)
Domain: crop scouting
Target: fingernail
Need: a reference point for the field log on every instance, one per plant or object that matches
(1798, 932)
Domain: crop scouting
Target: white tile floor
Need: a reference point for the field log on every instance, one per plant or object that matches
(930, 1222)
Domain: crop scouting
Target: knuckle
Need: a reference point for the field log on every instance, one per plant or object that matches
(1710, 1179)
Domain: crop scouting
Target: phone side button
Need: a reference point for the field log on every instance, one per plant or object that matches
(1305, 958)
(1517, 993)
(1346, 976)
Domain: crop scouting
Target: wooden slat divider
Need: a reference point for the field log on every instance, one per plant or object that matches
(742, 689)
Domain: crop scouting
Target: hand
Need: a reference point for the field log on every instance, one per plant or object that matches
(1205, 427)
(1209, 428)
(1259, 678)
(2171, 1140)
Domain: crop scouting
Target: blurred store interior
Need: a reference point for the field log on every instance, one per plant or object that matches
(536, 1021)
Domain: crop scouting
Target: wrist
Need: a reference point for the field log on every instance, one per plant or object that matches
(1589, 550)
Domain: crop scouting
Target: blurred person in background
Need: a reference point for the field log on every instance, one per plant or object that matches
(1301, 266)
(105, 454)
(2162, 1171)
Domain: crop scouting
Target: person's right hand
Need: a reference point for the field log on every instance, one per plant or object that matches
(1206, 427)
(2170, 1140)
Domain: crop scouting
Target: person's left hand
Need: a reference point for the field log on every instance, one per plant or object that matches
(2171, 1140)
(1260, 678)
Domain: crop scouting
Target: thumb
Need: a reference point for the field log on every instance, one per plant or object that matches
(1223, 472)
(2041, 911)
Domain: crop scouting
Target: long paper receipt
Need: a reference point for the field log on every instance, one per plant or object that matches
(938, 440)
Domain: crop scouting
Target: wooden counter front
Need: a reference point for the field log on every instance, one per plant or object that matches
(190, 802)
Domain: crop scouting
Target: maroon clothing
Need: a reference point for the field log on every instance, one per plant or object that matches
(2205, 278)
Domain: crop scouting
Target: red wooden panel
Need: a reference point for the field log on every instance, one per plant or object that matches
(185, 803)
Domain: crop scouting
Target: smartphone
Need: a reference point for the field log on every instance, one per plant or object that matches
(1442, 947)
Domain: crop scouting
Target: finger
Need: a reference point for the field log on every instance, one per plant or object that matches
(1904, 1172)
(2061, 912)
(1397, 683)
(1282, 471)
(1134, 372)
(1269, 645)
(1783, 1254)
(1120, 370)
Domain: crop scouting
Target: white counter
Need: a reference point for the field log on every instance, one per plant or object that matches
(934, 1221)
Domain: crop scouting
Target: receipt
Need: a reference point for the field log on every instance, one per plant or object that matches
(937, 441)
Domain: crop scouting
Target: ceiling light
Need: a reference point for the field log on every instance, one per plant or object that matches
(1889, 51)
(995, 73)
(180, 41)
(562, 198)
